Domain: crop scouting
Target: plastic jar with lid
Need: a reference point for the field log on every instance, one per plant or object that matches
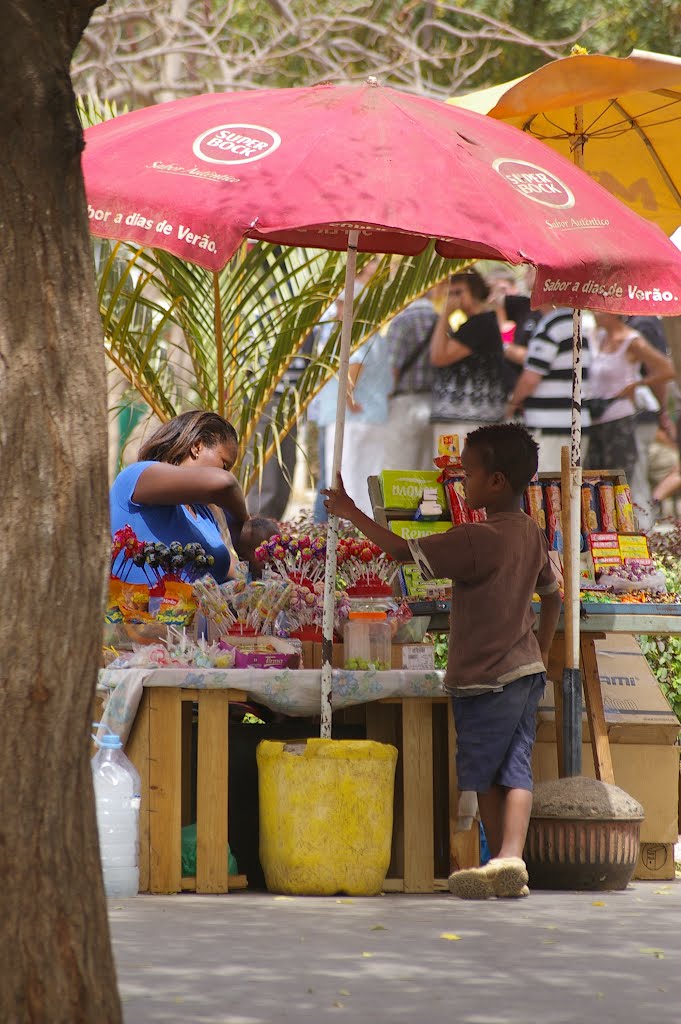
(367, 640)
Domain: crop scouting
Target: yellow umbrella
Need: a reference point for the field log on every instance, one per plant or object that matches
(630, 128)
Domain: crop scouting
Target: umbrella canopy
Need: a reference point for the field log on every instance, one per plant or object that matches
(631, 122)
(304, 166)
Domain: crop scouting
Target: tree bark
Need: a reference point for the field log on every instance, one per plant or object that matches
(55, 950)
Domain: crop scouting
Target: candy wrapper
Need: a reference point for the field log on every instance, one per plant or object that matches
(624, 509)
(534, 504)
(262, 652)
(606, 498)
(553, 506)
(590, 508)
(300, 560)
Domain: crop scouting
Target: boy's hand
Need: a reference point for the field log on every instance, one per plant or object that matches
(338, 501)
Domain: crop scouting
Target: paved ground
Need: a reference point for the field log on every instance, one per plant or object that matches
(253, 958)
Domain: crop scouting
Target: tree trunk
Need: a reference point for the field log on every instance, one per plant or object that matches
(56, 955)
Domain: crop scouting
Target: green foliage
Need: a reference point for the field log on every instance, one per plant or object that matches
(440, 642)
(664, 652)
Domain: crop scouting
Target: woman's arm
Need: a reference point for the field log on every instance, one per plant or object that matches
(354, 373)
(445, 350)
(659, 368)
(163, 484)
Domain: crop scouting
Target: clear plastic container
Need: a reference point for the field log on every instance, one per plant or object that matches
(117, 801)
(367, 640)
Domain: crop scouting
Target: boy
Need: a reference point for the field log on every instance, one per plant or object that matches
(496, 666)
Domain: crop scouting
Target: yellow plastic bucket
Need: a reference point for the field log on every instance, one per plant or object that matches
(326, 815)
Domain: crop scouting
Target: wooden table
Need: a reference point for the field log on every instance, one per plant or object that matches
(159, 747)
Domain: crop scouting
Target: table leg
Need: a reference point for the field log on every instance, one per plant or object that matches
(382, 726)
(165, 787)
(555, 674)
(417, 745)
(212, 791)
(593, 697)
(137, 749)
(464, 847)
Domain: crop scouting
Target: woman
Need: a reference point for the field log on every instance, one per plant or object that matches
(470, 387)
(183, 467)
(617, 355)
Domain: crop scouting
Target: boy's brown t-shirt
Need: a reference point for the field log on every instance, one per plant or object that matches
(496, 566)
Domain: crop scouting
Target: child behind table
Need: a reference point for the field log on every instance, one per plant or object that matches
(496, 665)
(255, 531)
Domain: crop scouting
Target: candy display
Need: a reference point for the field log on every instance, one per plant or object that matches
(606, 497)
(167, 598)
(362, 563)
(624, 510)
(241, 608)
(299, 559)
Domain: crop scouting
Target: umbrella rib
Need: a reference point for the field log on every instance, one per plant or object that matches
(664, 173)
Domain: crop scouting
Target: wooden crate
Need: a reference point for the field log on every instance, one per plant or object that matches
(159, 747)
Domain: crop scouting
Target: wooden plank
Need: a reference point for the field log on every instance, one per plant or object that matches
(187, 717)
(137, 749)
(382, 725)
(417, 743)
(464, 847)
(165, 790)
(393, 885)
(235, 882)
(593, 698)
(211, 792)
(555, 674)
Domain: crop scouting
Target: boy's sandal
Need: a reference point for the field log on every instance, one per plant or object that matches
(471, 884)
(507, 876)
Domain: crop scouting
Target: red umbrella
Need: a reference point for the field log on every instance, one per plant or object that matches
(301, 166)
(369, 168)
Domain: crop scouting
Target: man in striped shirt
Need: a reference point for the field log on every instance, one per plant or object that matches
(544, 388)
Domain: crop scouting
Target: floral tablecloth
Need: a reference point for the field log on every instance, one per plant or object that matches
(295, 693)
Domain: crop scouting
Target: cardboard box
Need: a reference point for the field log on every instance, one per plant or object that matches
(403, 488)
(412, 529)
(650, 773)
(636, 710)
(655, 862)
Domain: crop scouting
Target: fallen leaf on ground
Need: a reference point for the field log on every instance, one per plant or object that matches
(345, 901)
(378, 928)
(657, 953)
(283, 898)
(367, 954)
(340, 1006)
(343, 992)
(451, 936)
(598, 903)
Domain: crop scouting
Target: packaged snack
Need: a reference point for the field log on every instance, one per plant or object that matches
(456, 499)
(534, 504)
(448, 444)
(133, 601)
(178, 604)
(590, 523)
(606, 499)
(554, 511)
(624, 510)
(113, 612)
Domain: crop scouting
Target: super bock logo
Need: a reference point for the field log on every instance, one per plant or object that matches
(535, 183)
(235, 144)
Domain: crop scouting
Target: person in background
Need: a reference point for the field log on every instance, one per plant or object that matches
(184, 467)
(369, 384)
(255, 532)
(651, 415)
(495, 675)
(544, 389)
(409, 435)
(618, 355)
(469, 389)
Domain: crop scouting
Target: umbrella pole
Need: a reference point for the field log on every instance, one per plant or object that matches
(219, 343)
(332, 534)
(571, 481)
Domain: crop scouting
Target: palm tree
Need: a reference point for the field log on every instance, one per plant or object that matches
(182, 336)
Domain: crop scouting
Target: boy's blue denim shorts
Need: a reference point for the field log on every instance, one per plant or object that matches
(495, 734)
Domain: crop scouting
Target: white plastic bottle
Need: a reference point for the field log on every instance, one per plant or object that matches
(117, 799)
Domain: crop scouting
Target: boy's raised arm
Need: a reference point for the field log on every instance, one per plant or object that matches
(339, 503)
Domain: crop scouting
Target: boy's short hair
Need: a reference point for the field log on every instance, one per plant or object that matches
(507, 448)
